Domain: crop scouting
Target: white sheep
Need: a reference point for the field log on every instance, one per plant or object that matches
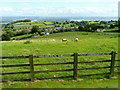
(53, 39)
(76, 39)
(64, 39)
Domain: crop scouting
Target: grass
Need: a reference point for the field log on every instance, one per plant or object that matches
(112, 29)
(44, 45)
(24, 25)
(22, 36)
(58, 83)
(88, 43)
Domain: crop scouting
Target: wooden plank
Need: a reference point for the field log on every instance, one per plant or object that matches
(117, 60)
(54, 77)
(31, 67)
(53, 56)
(118, 53)
(20, 65)
(36, 71)
(11, 57)
(75, 65)
(17, 65)
(117, 66)
(53, 71)
(24, 72)
(112, 64)
(15, 80)
(97, 61)
(93, 74)
(92, 68)
(94, 61)
(94, 54)
(116, 72)
(53, 63)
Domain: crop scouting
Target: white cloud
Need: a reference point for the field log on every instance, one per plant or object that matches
(40, 7)
(60, 1)
(6, 9)
(53, 11)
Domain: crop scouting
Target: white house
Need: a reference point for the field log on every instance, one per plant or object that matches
(46, 33)
(100, 30)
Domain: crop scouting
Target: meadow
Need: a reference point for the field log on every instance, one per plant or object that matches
(45, 45)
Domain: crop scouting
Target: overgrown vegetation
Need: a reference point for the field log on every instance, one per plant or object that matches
(23, 27)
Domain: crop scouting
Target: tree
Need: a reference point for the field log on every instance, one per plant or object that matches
(112, 26)
(5, 36)
(80, 28)
(93, 27)
(24, 32)
(11, 26)
(34, 29)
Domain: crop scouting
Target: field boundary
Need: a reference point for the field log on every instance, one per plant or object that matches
(75, 63)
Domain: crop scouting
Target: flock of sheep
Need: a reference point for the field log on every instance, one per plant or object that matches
(76, 39)
(64, 40)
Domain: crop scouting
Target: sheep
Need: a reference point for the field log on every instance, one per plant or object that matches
(64, 39)
(76, 39)
(53, 39)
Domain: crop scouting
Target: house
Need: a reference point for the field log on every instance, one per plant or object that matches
(100, 30)
(46, 33)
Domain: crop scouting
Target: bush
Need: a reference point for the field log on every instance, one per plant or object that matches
(27, 42)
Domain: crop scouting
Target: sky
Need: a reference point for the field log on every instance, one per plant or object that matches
(59, 8)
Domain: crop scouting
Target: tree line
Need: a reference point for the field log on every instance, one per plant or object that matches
(82, 26)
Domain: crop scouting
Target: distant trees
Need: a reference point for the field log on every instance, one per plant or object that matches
(88, 27)
(81, 28)
(9, 26)
(112, 26)
(7, 35)
(26, 20)
(34, 29)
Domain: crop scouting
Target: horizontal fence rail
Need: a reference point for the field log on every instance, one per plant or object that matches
(20, 65)
(42, 56)
(74, 63)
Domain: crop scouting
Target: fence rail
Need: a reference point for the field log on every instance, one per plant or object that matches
(42, 56)
(74, 69)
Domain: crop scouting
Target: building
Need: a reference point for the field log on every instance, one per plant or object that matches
(46, 33)
(100, 30)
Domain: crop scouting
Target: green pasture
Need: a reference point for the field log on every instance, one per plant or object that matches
(112, 29)
(81, 83)
(22, 36)
(53, 44)
(25, 25)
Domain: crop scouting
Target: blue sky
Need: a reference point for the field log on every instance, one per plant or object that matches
(59, 8)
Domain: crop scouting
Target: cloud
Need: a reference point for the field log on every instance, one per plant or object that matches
(60, 1)
(60, 11)
(6, 9)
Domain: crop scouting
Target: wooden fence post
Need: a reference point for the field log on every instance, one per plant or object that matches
(75, 66)
(31, 68)
(112, 63)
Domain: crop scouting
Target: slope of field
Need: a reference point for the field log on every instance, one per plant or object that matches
(52, 44)
(90, 83)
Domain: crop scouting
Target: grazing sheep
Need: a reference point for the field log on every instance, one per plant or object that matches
(53, 39)
(64, 39)
(76, 39)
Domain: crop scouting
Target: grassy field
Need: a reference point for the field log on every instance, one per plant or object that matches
(58, 83)
(45, 45)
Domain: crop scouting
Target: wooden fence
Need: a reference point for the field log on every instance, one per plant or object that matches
(74, 69)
